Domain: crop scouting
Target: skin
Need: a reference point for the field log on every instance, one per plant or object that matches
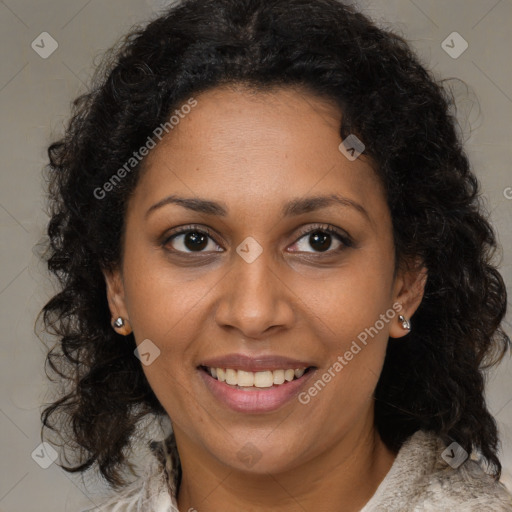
(253, 152)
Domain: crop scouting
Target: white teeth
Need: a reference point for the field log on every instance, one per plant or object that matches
(231, 377)
(299, 372)
(263, 379)
(245, 378)
(278, 376)
(289, 374)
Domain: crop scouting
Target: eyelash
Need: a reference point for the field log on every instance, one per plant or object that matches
(323, 228)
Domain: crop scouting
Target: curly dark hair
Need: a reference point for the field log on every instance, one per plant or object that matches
(433, 379)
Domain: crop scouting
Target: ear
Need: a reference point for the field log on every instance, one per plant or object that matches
(116, 302)
(408, 292)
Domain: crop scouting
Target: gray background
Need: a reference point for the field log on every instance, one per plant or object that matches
(35, 95)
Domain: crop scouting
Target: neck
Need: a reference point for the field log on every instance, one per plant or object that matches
(347, 474)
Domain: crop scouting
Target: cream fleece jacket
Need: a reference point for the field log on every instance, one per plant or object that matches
(418, 481)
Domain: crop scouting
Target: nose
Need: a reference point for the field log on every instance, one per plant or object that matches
(255, 298)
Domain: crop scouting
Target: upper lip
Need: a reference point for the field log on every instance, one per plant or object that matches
(254, 363)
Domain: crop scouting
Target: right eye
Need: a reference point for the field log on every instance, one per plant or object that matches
(191, 239)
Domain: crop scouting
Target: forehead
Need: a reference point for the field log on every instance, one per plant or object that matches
(250, 149)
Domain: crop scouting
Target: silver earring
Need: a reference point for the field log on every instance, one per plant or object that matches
(118, 322)
(405, 323)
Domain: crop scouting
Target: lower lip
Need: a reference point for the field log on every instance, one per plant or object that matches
(255, 400)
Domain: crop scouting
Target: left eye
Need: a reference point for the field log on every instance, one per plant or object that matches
(321, 240)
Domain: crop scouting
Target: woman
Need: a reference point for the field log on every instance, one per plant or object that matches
(267, 231)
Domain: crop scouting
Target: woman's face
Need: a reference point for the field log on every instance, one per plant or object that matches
(260, 293)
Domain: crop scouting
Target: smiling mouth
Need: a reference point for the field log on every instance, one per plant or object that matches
(263, 379)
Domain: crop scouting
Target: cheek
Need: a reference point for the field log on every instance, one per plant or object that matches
(352, 312)
(343, 389)
(161, 298)
(164, 307)
(349, 299)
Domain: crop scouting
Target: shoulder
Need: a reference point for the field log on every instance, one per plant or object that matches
(466, 488)
(421, 480)
(152, 491)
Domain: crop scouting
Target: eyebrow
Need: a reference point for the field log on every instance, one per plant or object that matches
(296, 206)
